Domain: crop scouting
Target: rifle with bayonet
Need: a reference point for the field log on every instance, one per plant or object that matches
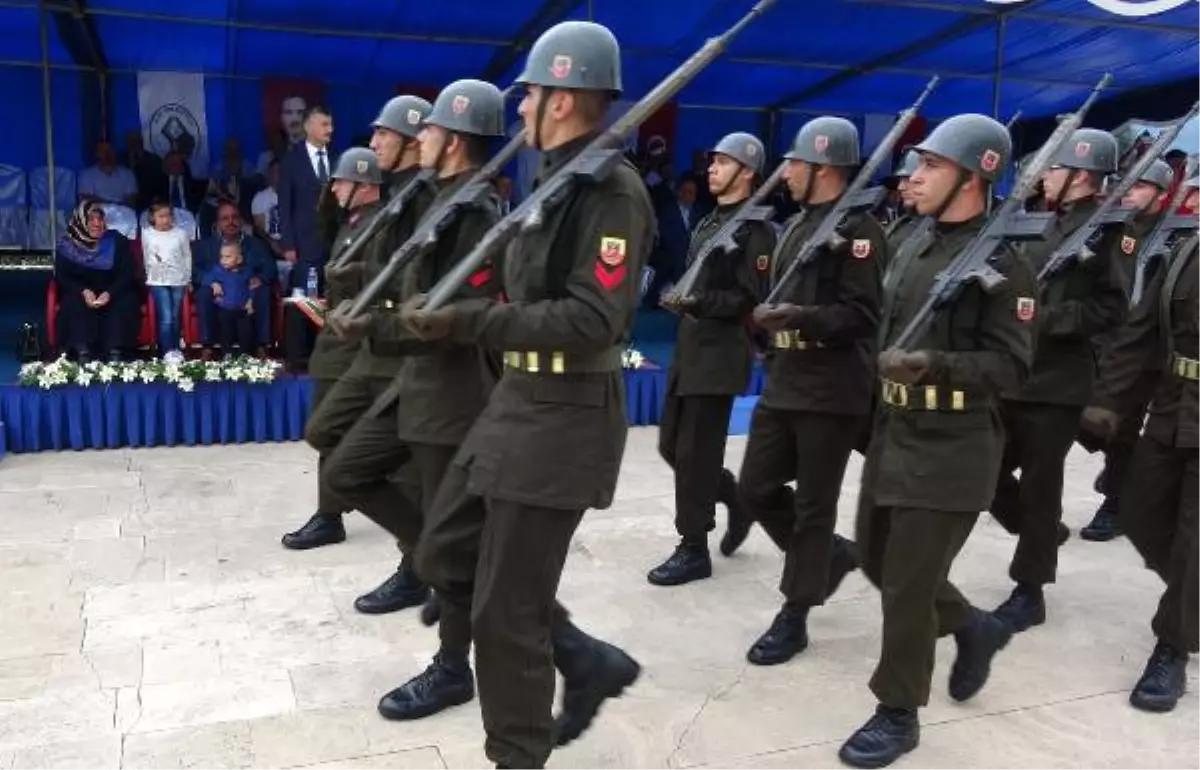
(1157, 244)
(1078, 246)
(394, 208)
(855, 198)
(593, 163)
(973, 263)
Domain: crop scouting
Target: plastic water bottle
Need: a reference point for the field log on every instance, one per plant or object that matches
(312, 282)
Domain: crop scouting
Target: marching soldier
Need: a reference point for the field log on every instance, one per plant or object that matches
(935, 448)
(898, 228)
(1041, 419)
(713, 358)
(549, 444)
(376, 361)
(441, 388)
(818, 393)
(1158, 513)
(1146, 197)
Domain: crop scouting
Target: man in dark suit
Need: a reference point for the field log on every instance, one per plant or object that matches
(147, 167)
(176, 185)
(677, 212)
(303, 173)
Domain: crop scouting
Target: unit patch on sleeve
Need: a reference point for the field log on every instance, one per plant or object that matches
(762, 263)
(1128, 244)
(610, 266)
(1026, 308)
(861, 248)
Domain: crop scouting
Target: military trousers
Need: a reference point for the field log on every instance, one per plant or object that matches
(1118, 453)
(330, 435)
(1158, 513)
(1039, 436)
(811, 448)
(499, 564)
(907, 554)
(364, 470)
(691, 439)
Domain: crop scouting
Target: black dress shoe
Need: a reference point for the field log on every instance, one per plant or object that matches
(737, 525)
(844, 560)
(785, 639)
(1163, 682)
(1064, 534)
(321, 529)
(443, 684)
(431, 611)
(402, 589)
(689, 562)
(1104, 526)
(886, 737)
(984, 636)
(1024, 607)
(593, 671)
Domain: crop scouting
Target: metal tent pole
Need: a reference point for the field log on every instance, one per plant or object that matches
(43, 28)
(998, 75)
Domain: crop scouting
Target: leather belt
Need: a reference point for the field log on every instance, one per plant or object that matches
(557, 362)
(927, 398)
(791, 340)
(1185, 368)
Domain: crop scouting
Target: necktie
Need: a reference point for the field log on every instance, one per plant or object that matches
(177, 193)
(322, 169)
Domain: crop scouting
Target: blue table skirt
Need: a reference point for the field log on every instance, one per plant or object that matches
(140, 415)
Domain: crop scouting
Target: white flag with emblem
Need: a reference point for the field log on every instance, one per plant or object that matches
(173, 116)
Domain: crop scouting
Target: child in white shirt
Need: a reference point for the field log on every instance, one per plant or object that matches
(168, 258)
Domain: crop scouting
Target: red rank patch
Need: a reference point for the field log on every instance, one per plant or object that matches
(480, 277)
(610, 279)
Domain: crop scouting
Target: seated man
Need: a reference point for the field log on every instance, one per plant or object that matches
(261, 268)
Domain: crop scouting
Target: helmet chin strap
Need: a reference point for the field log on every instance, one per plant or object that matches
(540, 115)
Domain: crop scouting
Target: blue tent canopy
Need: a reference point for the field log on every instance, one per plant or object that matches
(853, 57)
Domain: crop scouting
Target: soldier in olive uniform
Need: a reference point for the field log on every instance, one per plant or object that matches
(713, 358)
(442, 387)
(1159, 509)
(1146, 197)
(371, 371)
(549, 444)
(899, 227)
(818, 391)
(937, 439)
(1041, 419)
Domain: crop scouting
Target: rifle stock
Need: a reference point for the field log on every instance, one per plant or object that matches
(1078, 246)
(393, 209)
(431, 226)
(972, 263)
(594, 162)
(855, 198)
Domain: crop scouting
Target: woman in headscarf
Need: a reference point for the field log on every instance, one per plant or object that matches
(99, 307)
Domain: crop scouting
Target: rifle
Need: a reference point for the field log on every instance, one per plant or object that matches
(473, 192)
(1077, 247)
(1013, 120)
(593, 163)
(1155, 245)
(724, 240)
(855, 198)
(393, 209)
(1008, 222)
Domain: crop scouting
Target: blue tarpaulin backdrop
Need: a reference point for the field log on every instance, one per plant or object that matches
(804, 56)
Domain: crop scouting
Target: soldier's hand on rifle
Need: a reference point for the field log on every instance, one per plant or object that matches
(427, 324)
(344, 326)
(678, 303)
(905, 366)
(345, 272)
(1100, 421)
(776, 318)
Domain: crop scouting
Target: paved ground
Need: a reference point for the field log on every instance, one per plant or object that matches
(151, 619)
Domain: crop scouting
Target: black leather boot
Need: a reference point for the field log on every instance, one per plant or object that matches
(1024, 607)
(984, 636)
(1163, 682)
(737, 525)
(886, 737)
(842, 562)
(402, 589)
(785, 639)
(447, 682)
(593, 671)
(689, 562)
(321, 529)
(1104, 526)
(431, 611)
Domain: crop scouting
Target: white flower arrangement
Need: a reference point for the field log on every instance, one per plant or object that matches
(184, 375)
(632, 359)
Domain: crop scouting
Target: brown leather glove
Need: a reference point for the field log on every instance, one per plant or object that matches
(776, 318)
(1100, 421)
(427, 324)
(350, 329)
(905, 366)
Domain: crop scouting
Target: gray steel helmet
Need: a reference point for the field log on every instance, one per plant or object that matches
(1160, 174)
(574, 54)
(975, 142)
(908, 164)
(358, 164)
(469, 107)
(1088, 149)
(826, 141)
(744, 148)
(404, 115)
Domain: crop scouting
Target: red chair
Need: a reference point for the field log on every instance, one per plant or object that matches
(146, 332)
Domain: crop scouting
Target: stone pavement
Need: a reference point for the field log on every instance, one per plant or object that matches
(151, 619)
